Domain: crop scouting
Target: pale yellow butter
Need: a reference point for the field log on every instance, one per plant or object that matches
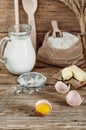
(67, 73)
(78, 73)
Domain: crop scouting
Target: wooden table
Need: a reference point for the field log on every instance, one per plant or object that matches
(17, 111)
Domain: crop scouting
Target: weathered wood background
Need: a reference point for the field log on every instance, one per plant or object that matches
(47, 10)
(17, 111)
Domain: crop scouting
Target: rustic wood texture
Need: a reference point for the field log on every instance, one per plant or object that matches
(17, 112)
(47, 10)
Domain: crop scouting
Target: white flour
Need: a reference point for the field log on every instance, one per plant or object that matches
(64, 42)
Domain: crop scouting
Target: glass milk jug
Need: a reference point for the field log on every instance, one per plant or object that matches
(17, 52)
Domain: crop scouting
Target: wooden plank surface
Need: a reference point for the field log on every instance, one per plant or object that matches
(47, 10)
(17, 112)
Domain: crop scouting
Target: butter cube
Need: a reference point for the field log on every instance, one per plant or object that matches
(67, 73)
(78, 73)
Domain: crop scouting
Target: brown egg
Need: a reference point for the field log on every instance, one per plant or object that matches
(73, 98)
(43, 107)
(61, 87)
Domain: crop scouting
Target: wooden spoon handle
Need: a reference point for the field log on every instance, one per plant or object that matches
(16, 4)
(31, 21)
(55, 25)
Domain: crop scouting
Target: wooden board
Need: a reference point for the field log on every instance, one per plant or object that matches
(17, 112)
(47, 10)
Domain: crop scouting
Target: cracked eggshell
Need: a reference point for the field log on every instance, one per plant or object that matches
(73, 98)
(61, 87)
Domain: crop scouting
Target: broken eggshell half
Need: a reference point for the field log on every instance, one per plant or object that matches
(61, 87)
(73, 98)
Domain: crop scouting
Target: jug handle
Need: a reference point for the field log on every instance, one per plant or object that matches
(3, 43)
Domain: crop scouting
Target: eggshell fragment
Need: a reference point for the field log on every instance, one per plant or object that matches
(43, 107)
(73, 98)
(62, 87)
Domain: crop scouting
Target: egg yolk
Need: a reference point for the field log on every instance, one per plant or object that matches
(43, 108)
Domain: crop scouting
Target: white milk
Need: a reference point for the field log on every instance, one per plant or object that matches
(20, 55)
(17, 52)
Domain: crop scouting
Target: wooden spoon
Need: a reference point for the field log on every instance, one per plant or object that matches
(30, 7)
(56, 31)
